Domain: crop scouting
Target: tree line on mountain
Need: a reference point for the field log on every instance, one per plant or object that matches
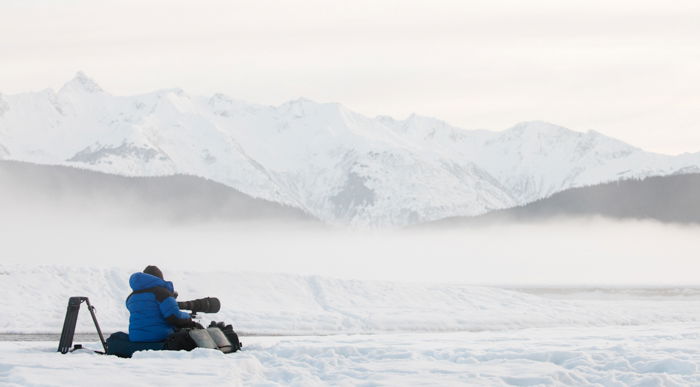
(673, 198)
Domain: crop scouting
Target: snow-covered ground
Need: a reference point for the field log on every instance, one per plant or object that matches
(313, 330)
(658, 355)
(286, 304)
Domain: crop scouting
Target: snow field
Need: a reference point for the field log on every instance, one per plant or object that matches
(311, 330)
(35, 298)
(661, 355)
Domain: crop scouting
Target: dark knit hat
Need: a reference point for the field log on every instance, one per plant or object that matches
(154, 271)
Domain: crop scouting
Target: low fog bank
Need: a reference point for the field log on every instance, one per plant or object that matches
(188, 223)
(592, 252)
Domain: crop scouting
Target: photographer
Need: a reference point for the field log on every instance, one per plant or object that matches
(154, 313)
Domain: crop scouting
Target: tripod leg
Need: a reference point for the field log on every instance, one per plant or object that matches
(97, 326)
(68, 331)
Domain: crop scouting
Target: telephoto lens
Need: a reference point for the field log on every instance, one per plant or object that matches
(201, 305)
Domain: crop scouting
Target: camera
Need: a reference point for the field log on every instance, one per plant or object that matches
(201, 305)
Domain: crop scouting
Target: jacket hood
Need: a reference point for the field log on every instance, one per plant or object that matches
(140, 281)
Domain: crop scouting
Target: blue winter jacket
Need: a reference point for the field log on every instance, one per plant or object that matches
(153, 310)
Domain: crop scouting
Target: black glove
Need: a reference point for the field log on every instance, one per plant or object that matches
(182, 322)
(197, 325)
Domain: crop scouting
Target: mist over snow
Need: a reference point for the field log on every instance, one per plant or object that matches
(574, 252)
(59, 215)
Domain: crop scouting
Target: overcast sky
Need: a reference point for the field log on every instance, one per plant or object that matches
(629, 69)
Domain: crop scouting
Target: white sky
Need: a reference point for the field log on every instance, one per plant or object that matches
(630, 69)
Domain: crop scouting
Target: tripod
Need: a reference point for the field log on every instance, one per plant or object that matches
(66, 341)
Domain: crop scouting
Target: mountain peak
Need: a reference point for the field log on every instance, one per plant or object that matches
(417, 119)
(540, 127)
(301, 101)
(301, 107)
(417, 124)
(81, 83)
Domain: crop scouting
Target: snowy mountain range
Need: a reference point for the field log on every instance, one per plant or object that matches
(335, 164)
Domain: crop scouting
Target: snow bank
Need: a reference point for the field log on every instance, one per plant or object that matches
(35, 299)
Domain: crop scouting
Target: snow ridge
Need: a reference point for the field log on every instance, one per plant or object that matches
(335, 164)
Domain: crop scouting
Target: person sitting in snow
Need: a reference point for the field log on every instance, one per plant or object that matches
(154, 314)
